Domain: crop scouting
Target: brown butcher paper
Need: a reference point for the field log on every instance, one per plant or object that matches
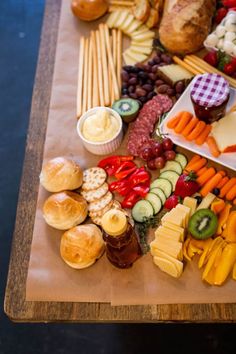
(49, 278)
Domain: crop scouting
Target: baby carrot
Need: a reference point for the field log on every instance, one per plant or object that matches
(205, 177)
(190, 126)
(213, 146)
(201, 171)
(171, 124)
(224, 190)
(192, 161)
(222, 182)
(211, 184)
(203, 136)
(184, 119)
(231, 193)
(234, 201)
(222, 172)
(197, 165)
(196, 131)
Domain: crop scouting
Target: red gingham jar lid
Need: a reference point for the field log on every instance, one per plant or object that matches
(209, 90)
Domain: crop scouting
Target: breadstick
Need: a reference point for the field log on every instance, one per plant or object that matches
(85, 82)
(95, 101)
(177, 60)
(111, 63)
(104, 64)
(80, 78)
(100, 76)
(119, 57)
(110, 75)
(90, 75)
(122, 2)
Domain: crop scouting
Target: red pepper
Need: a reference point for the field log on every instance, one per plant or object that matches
(125, 169)
(110, 164)
(139, 176)
(130, 200)
(142, 189)
(229, 3)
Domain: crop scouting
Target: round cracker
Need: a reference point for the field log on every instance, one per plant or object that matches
(94, 194)
(93, 178)
(102, 211)
(100, 203)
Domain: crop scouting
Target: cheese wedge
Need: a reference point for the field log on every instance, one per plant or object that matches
(146, 43)
(143, 50)
(168, 233)
(186, 211)
(174, 216)
(190, 203)
(120, 20)
(167, 247)
(135, 24)
(224, 133)
(167, 266)
(178, 264)
(127, 22)
(168, 225)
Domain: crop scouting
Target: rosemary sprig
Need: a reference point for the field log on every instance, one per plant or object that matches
(142, 230)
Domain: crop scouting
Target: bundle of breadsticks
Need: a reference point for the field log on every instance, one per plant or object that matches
(100, 62)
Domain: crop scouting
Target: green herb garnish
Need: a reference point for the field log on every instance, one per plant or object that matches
(142, 229)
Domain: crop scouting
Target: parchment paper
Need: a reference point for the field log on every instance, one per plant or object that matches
(49, 278)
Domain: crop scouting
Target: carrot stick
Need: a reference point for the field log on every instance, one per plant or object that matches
(222, 172)
(192, 161)
(224, 190)
(205, 177)
(190, 126)
(196, 131)
(203, 136)
(234, 201)
(212, 146)
(184, 119)
(211, 184)
(197, 165)
(171, 124)
(231, 193)
(222, 182)
(201, 171)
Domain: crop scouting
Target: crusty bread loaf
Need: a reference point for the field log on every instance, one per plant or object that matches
(141, 10)
(185, 24)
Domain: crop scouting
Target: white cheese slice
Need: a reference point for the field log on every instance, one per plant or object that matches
(224, 132)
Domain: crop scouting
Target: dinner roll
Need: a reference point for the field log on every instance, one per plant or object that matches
(82, 245)
(60, 174)
(65, 210)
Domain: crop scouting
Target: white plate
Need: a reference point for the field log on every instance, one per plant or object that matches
(184, 104)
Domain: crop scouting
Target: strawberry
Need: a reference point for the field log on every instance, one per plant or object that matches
(221, 13)
(229, 69)
(186, 185)
(211, 58)
(172, 201)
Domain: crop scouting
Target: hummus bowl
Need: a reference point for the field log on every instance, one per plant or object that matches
(98, 136)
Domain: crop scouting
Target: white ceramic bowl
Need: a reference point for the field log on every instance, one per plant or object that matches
(104, 147)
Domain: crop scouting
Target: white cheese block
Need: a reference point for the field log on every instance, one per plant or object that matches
(167, 266)
(224, 133)
(168, 233)
(170, 225)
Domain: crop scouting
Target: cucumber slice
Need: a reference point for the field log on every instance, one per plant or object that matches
(142, 209)
(159, 192)
(171, 176)
(164, 184)
(181, 159)
(155, 201)
(172, 166)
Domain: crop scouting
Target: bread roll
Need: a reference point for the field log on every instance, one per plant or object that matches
(65, 210)
(82, 246)
(185, 24)
(60, 174)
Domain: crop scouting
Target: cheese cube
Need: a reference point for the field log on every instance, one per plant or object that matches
(169, 225)
(168, 267)
(175, 235)
(167, 247)
(190, 203)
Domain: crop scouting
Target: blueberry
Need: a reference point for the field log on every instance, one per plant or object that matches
(125, 91)
(199, 199)
(216, 191)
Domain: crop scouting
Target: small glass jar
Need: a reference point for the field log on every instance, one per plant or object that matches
(122, 246)
(209, 95)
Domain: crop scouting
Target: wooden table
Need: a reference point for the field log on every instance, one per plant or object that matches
(16, 308)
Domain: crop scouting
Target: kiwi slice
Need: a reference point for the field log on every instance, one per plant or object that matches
(127, 108)
(203, 224)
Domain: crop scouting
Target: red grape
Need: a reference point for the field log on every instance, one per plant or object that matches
(160, 162)
(151, 164)
(157, 149)
(167, 144)
(146, 153)
(169, 154)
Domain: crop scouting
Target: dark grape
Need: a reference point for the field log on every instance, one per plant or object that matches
(124, 91)
(199, 199)
(160, 162)
(157, 149)
(167, 144)
(169, 154)
(147, 153)
(216, 191)
(151, 164)
(124, 76)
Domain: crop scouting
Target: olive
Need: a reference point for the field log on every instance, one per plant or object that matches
(150, 82)
(143, 99)
(142, 75)
(151, 62)
(124, 91)
(133, 75)
(133, 81)
(170, 92)
(178, 95)
(140, 66)
(124, 76)
(157, 59)
(147, 87)
(131, 89)
(148, 68)
(166, 58)
(159, 82)
(128, 68)
(163, 88)
(154, 68)
(150, 95)
(124, 85)
(140, 92)
(134, 70)
(152, 76)
(133, 95)
(179, 87)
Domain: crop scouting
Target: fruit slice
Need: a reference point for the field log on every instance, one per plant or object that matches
(144, 50)
(127, 108)
(203, 224)
(181, 159)
(168, 267)
(206, 201)
(142, 209)
(173, 166)
(171, 176)
(155, 201)
(164, 184)
(159, 192)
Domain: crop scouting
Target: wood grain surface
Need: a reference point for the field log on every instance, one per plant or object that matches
(15, 306)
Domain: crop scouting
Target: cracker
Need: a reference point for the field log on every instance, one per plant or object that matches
(93, 178)
(100, 203)
(102, 211)
(94, 194)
